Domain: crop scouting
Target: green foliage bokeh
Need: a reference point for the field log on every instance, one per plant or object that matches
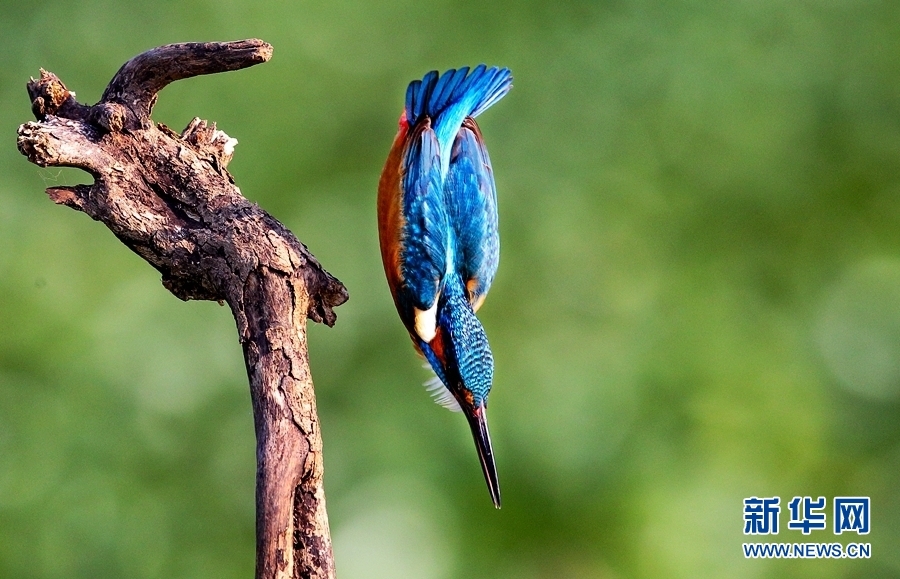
(698, 299)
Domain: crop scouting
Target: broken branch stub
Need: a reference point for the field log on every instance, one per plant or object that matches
(170, 198)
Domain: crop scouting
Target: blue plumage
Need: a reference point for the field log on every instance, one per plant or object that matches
(469, 354)
(437, 209)
(451, 98)
(426, 242)
(471, 202)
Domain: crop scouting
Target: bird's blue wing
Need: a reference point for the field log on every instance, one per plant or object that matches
(423, 254)
(471, 200)
(450, 212)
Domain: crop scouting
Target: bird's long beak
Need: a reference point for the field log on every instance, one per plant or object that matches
(478, 423)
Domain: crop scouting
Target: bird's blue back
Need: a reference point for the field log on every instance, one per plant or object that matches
(449, 198)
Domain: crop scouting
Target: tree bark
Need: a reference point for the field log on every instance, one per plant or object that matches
(171, 200)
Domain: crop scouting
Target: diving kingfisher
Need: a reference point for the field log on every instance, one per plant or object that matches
(437, 225)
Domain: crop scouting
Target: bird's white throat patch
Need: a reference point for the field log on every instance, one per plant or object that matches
(426, 322)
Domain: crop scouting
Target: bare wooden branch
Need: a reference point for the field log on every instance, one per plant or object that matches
(170, 199)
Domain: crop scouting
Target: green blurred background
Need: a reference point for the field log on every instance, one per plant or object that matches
(698, 299)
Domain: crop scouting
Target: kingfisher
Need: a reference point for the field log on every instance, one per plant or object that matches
(437, 226)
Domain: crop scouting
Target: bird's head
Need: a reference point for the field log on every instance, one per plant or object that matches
(461, 352)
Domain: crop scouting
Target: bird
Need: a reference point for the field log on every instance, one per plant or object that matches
(438, 234)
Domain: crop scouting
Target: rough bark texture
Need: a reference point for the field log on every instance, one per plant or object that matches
(170, 199)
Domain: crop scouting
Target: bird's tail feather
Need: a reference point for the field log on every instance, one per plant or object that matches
(469, 92)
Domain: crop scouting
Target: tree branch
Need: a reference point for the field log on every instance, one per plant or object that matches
(171, 200)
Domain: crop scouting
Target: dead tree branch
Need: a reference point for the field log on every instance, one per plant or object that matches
(171, 200)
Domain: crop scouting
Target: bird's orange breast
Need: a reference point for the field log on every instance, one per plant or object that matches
(390, 210)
